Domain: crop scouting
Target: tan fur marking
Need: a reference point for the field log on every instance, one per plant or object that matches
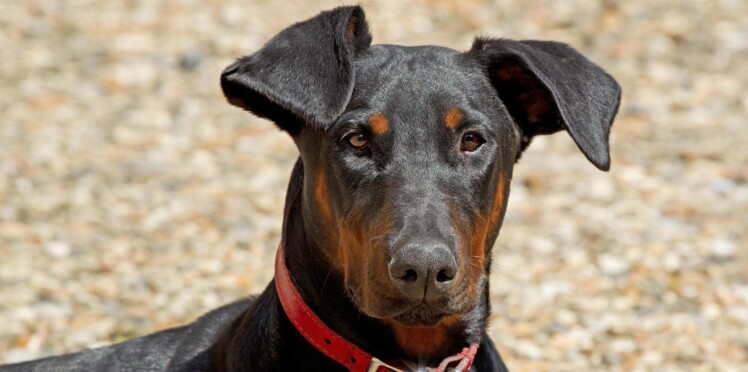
(379, 124)
(358, 251)
(483, 226)
(498, 202)
(453, 119)
(352, 253)
(320, 192)
(424, 342)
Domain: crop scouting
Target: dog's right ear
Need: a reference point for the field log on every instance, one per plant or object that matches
(304, 75)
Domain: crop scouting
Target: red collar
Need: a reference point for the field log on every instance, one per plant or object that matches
(333, 345)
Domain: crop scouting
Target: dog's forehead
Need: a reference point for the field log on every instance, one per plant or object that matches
(418, 78)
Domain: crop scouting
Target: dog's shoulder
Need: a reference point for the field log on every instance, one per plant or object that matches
(183, 348)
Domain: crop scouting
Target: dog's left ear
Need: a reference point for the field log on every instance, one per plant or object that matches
(303, 75)
(548, 86)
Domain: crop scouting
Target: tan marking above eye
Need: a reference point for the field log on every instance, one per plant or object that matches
(453, 119)
(379, 124)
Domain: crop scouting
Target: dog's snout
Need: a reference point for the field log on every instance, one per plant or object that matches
(423, 269)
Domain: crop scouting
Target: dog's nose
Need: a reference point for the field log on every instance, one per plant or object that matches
(232, 68)
(423, 269)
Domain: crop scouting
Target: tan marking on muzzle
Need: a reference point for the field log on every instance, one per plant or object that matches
(323, 200)
(482, 227)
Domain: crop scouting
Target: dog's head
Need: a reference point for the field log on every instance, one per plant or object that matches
(408, 151)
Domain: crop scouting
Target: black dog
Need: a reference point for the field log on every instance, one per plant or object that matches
(394, 205)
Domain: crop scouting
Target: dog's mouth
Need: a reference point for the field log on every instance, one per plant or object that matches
(406, 313)
(421, 315)
(390, 306)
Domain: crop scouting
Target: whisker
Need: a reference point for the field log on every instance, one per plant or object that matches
(324, 283)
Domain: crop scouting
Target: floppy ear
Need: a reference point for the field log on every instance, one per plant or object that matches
(303, 75)
(548, 86)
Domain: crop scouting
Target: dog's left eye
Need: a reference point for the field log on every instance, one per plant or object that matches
(358, 140)
(471, 141)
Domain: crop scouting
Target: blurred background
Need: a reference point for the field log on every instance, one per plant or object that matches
(134, 198)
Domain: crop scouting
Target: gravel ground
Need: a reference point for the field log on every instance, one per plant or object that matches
(133, 198)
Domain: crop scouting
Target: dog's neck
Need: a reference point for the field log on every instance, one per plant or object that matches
(324, 292)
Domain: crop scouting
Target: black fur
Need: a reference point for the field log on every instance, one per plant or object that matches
(321, 80)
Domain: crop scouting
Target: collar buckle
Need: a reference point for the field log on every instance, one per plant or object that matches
(376, 364)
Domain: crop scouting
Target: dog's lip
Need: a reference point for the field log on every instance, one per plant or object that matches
(395, 308)
(406, 314)
(421, 315)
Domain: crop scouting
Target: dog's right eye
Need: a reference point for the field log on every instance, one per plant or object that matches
(358, 140)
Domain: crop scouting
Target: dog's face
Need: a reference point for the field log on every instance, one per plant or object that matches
(408, 151)
(416, 167)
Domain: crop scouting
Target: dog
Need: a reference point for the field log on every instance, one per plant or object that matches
(406, 157)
